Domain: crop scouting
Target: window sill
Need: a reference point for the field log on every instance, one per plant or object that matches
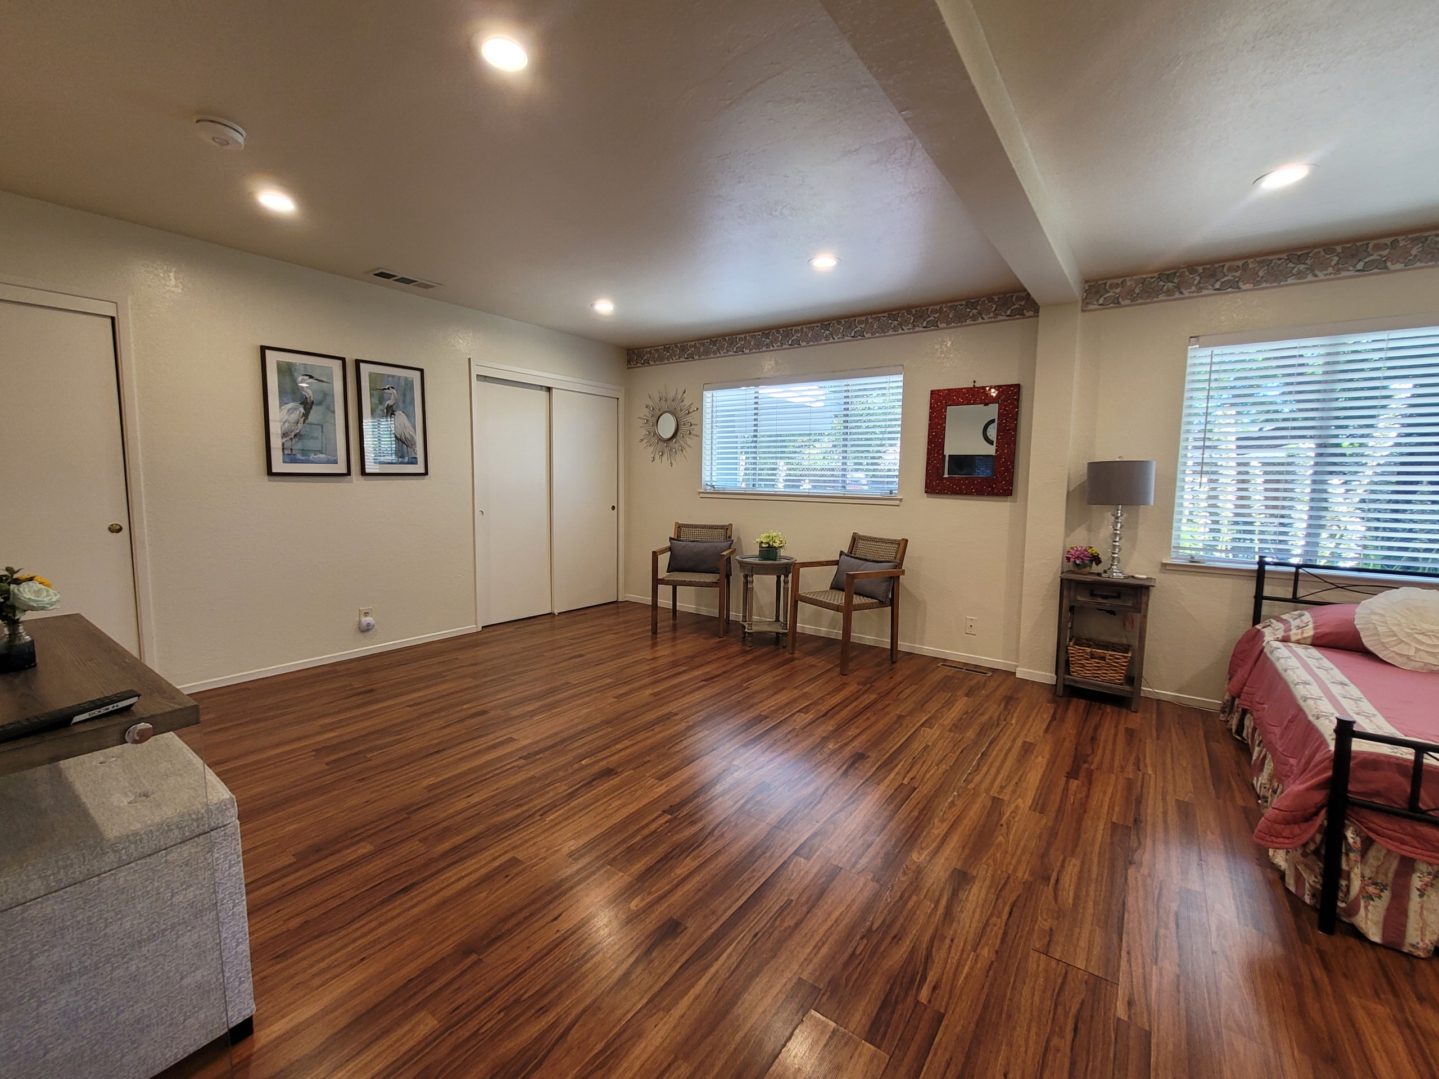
(775, 496)
(1227, 569)
(1222, 569)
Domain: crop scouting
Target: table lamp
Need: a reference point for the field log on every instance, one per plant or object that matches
(1120, 484)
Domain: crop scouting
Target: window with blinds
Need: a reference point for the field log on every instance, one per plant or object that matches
(1321, 449)
(819, 436)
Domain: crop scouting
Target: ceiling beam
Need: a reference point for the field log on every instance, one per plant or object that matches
(932, 60)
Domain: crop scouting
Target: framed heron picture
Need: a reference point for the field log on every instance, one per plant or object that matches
(306, 432)
(392, 419)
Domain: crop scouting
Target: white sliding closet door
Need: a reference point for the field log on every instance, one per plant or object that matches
(584, 438)
(512, 500)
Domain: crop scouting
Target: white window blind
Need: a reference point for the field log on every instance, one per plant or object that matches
(820, 436)
(1324, 449)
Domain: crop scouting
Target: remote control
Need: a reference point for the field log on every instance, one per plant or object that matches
(69, 715)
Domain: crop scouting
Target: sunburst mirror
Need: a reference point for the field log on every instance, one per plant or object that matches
(667, 425)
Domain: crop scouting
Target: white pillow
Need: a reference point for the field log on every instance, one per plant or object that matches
(1401, 627)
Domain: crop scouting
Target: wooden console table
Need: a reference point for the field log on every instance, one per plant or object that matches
(78, 663)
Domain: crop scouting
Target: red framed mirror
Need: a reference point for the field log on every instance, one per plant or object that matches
(970, 450)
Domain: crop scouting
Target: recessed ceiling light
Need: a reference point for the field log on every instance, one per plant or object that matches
(603, 307)
(505, 53)
(1283, 176)
(275, 200)
(824, 262)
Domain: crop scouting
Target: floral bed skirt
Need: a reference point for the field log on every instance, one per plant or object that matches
(1390, 898)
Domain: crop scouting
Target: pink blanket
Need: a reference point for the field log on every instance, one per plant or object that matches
(1294, 675)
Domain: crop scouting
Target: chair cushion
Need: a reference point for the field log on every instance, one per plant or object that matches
(696, 556)
(879, 588)
(690, 578)
(833, 598)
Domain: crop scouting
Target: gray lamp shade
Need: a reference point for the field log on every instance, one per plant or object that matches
(1121, 483)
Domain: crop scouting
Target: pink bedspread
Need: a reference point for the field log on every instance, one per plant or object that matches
(1294, 691)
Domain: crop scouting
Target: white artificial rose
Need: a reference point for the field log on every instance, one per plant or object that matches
(33, 596)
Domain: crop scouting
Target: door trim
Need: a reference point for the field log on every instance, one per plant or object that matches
(507, 373)
(38, 294)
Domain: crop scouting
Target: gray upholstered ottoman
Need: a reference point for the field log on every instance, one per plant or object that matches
(124, 944)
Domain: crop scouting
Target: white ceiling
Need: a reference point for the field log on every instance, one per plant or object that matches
(685, 157)
(1149, 121)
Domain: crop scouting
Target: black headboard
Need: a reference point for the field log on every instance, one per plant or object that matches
(1310, 576)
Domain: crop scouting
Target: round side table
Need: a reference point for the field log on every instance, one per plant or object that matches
(752, 566)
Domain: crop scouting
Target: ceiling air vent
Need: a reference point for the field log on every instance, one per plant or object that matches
(392, 278)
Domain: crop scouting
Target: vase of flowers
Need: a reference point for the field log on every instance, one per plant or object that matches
(21, 593)
(1082, 559)
(770, 544)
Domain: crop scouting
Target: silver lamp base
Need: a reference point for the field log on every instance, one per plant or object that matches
(1117, 521)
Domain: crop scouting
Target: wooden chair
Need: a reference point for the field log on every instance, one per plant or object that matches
(676, 581)
(875, 549)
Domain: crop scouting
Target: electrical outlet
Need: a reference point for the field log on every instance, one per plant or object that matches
(971, 626)
(366, 612)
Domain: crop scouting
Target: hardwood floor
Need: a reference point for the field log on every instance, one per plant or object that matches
(540, 852)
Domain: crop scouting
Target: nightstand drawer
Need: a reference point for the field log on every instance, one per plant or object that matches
(1108, 595)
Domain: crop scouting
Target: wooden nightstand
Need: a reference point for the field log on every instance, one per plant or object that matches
(1103, 609)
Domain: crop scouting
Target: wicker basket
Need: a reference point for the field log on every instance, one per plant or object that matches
(1101, 661)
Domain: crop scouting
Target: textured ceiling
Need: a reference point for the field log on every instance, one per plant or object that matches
(686, 158)
(1150, 121)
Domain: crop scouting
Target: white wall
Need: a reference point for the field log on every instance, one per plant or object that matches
(965, 553)
(248, 571)
(1133, 362)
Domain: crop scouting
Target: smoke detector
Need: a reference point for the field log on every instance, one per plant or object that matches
(226, 134)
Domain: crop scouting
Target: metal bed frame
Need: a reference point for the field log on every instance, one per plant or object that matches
(1311, 577)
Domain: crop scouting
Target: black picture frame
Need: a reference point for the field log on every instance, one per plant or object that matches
(320, 444)
(391, 419)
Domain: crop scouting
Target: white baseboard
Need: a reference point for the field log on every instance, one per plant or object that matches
(1029, 674)
(860, 638)
(320, 661)
(1205, 703)
(1047, 677)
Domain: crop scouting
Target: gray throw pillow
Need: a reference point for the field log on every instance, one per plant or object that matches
(696, 556)
(880, 588)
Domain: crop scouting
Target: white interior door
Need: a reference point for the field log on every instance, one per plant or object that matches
(66, 511)
(512, 500)
(584, 472)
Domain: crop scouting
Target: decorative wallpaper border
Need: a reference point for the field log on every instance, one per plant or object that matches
(937, 316)
(1408, 252)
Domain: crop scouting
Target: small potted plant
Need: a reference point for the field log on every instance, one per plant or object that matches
(1082, 559)
(770, 544)
(21, 593)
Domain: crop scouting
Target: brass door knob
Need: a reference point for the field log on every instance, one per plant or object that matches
(116, 527)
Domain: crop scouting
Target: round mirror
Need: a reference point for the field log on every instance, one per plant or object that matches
(666, 425)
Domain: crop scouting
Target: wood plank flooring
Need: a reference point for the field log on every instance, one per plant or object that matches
(563, 847)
